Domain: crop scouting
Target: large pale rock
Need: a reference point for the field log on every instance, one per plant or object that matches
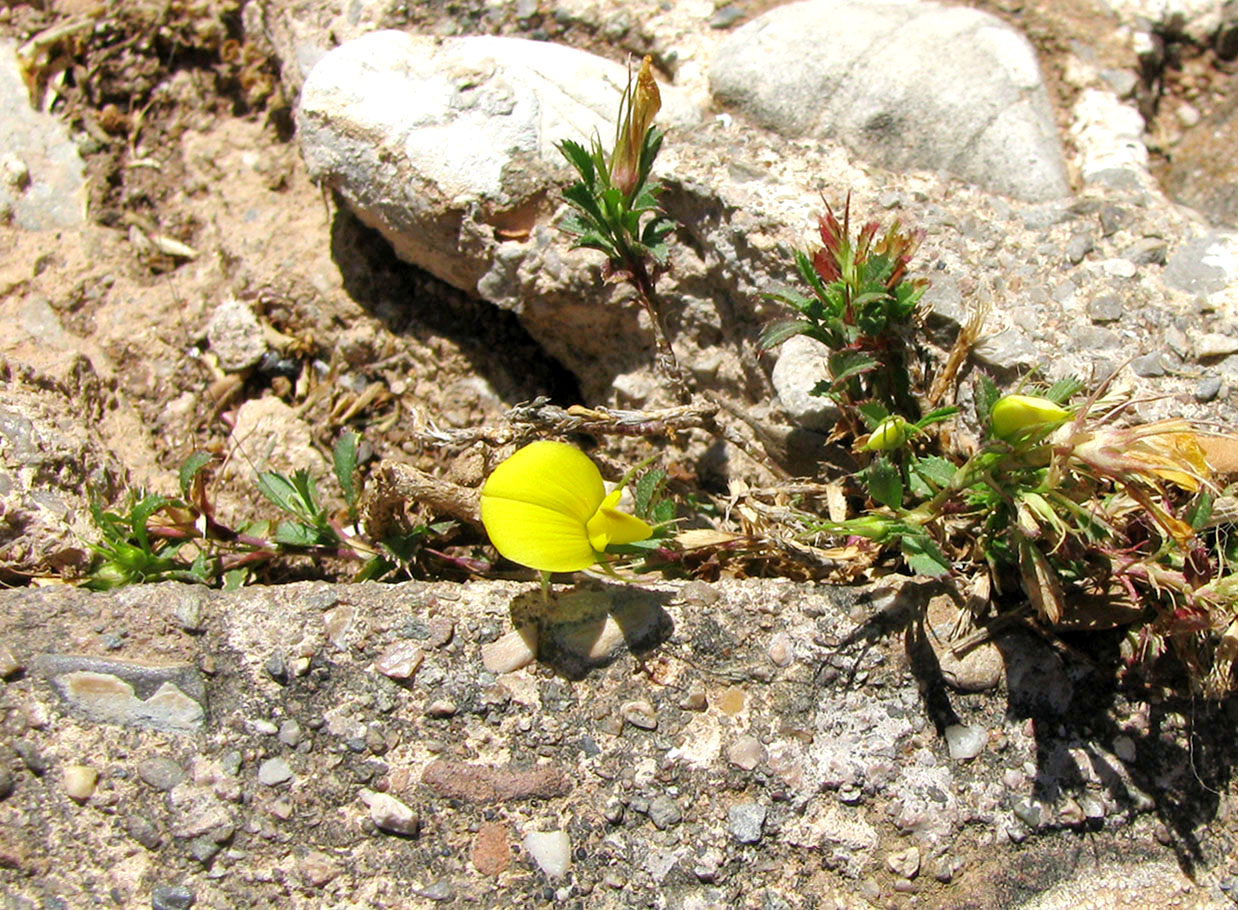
(448, 146)
(42, 176)
(905, 84)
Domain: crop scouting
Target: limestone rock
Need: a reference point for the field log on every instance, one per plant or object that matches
(904, 84)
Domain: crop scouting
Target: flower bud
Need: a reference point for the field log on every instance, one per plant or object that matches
(1017, 415)
(890, 434)
(636, 112)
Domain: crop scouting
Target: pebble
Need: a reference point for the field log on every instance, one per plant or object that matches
(551, 850)
(9, 665)
(171, 897)
(965, 742)
(905, 862)
(1124, 748)
(1092, 806)
(491, 854)
(1070, 813)
(1119, 268)
(1208, 389)
(745, 821)
(1214, 344)
(33, 759)
(1078, 247)
(695, 700)
(188, 611)
(79, 782)
(290, 733)
(746, 753)
(235, 335)
(726, 16)
(442, 707)
(514, 650)
(439, 890)
(1028, 811)
(274, 771)
(1149, 365)
(276, 667)
(664, 812)
(6, 780)
(317, 869)
(400, 660)
(1105, 308)
(142, 831)
(390, 814)
(780, 650)
(639, 714)
(1147, 251)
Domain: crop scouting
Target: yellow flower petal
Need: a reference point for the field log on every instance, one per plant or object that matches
(535, 536)
(1015, 415)
(610, 526)
(553, 475)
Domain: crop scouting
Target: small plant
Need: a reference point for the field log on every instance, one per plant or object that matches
(616, 205)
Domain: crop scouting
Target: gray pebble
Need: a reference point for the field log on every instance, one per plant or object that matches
(1028, 811)
(1106, 308)
(160, 772)
(1212, 345)
(188, 610)
(1078, 247)
(274, 771)
(204, 849)
(1208, 389)
(664, 811)
(290, 733)
(726, 16)
(6, 782)
(1147, 251)
(142, 831)
(440, 890)
(1111, 219)
(745, 821)
(32, 757)
(171, 897)
(236, 336)
(276, 667)
(1149, 365)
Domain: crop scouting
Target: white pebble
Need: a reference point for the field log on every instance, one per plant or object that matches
(400, 661)
(514, 650)
(551, 850)
(1124, 748)
(79, 782)
(389, 814)
(965, 742)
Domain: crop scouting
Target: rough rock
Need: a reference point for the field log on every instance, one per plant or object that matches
(42, 184)
(905, 85)
(800, 366)
(235, 335)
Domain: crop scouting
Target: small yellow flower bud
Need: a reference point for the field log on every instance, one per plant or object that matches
(1016, 415)
(890, 434)
(636, 112)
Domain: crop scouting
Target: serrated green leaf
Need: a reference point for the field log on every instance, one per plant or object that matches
(935, 469)
(189, 470)
(579, 158)
(986, 394)
(1063, 390)
(344, 460)
(1199, 511)
(779, 332)
(872, 413)
(885, 483)
(923, 556)
(235, 579)
(844, 365)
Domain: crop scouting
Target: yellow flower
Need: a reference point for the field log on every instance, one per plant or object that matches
(545, 507)
(1015, 416)
(637, 109)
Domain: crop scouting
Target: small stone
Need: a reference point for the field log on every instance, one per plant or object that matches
(1208, 389)
(142, 831)
(1147, 251)
(6, 778)
(188, 610)
(1119, 268)
(613, 811)
(16, 172)
(263, 727)
(79, 782)
(160, 772)
(1105, 308)
(1028, 811)
(732, 700)
(442, 629)
(390, 814)
(745, 822)
(317, 869)
(442, 707)
(514, 650)
(664, 812)
(726, 16)
(700, 593)
(1213, 345)
(31, 757)
(1078, 247)
(400, 660)
(274, 771)
(171, 897)
(235, 336)
(277, 667)
(1124, 748)
(1111, 219)
(905, 862)
(491, 853)
(695, 700)
(780, 650)
(1070, 813)
(1092, 806)
(1149, 366)
(965, 742)
(639, 714)
(204, 849)
(551, 850)
(439, 890)
(9, 665)
(746, 753)
(290, 733)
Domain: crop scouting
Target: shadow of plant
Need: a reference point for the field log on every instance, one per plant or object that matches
(592, 625)
(1106, 749)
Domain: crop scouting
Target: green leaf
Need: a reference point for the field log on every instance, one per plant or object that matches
(279, 489)
(779, 332)
(872, 413)
(803, 263)
(937, 416)
(189, 470)
(935, 469)
(844, 365)
(1063, 390)
(647, 491)
(1199, 511)
(579, 158)
(235, 579)
(885, 483)
(923, 556)
(986, 394)
(295, 534)
(344, 459)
